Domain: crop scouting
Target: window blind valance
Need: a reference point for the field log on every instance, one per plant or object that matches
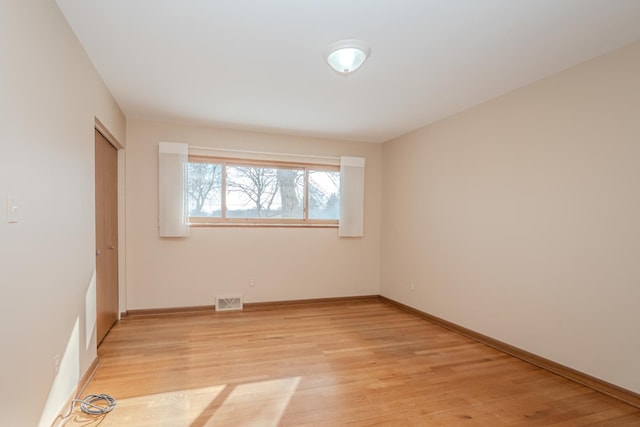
(351, 197)
(172, 181)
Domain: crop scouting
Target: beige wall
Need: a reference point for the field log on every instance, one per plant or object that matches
(520, 218)
(287, 264)
(517, 218)
(51, 95)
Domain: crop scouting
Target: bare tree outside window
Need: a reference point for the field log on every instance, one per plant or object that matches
(203, 188)
(263, 192)
(324, 194)
(291, 196)
(250, 191)
(268, 192)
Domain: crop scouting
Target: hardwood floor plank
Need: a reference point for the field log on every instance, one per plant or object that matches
(357, 363)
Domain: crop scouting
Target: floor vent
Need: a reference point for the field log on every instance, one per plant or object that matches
(229, 303)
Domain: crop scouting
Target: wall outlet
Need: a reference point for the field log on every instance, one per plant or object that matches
(412, 286)
(56, 365)
(13, 210)
(252, 281)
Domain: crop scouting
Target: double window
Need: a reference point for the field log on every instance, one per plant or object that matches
(227, 191)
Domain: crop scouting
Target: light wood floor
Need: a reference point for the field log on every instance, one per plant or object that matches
(354, 363)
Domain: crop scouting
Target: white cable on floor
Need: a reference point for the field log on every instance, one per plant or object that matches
(88, 405)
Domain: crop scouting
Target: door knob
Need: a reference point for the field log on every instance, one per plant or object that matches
(98, 253)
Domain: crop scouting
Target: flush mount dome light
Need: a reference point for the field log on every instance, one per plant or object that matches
(346, 56)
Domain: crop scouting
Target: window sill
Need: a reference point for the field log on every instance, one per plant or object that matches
(258, 225)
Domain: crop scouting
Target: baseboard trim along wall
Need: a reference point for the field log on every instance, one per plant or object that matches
(167, 310)
(247, 306)
(77, 391)
(609, 389)
(276, 304)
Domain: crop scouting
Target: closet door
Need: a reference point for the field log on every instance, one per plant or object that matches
(106, 167)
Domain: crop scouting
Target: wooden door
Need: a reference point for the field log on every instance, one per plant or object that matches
(106, 167)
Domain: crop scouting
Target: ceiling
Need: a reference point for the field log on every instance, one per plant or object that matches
(259, 65)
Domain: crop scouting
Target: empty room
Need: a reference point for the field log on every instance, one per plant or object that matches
(320, 213)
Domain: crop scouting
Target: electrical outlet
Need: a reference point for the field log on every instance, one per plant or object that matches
(56, 365)
(252, 282)
(412, 286)
(13, 210)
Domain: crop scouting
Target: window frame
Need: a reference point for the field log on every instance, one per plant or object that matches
(224, 221)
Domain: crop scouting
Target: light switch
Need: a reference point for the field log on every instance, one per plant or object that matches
(13, 210)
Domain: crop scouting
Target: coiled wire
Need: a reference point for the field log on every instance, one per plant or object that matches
(88, 404)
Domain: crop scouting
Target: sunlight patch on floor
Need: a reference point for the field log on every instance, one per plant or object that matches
(255, 404)
(260, 403)
(65, 380)
(170, 409)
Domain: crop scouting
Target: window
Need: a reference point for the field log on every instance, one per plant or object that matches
(228, 191)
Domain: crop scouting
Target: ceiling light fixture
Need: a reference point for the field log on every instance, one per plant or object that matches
(346, 56)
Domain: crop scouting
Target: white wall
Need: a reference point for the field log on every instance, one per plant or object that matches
(520, 218)
(50, 97)
(287, 264)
